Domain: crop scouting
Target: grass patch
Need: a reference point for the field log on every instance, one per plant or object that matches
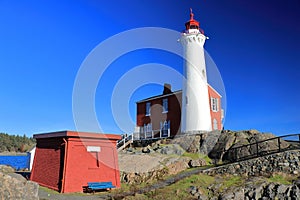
(231, 181)
(180, 189)
(197, 156)
(281, 179)
(48, 190)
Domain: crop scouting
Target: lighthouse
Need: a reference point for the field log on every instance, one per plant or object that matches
(195, 110)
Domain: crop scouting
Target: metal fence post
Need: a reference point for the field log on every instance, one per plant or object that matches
(235, 152)
(257, 153)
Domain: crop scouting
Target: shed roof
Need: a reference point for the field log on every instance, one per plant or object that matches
(76, 134)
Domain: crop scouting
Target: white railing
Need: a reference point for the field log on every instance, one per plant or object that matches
(125, 141)
(144, 135)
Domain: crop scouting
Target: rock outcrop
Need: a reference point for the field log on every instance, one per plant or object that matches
(226, 146)
(15, 186)
(253, 188)
(154, 162)
(139, 168)
(197, 142)
(164, 157)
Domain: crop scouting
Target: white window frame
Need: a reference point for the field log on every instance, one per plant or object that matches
(148, 109)
(165, 126)
(215, 124)
(214, 104)
(148, 128)
(165, 105)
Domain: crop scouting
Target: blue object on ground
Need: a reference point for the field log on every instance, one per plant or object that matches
(100, 185)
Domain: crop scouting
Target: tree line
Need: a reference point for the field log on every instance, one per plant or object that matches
(15, 143)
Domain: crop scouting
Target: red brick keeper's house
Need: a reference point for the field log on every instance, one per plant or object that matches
(160, 116)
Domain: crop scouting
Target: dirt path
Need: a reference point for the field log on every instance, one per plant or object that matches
(163, 183)
(47, 194)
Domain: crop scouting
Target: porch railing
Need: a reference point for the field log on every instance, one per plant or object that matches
(144, 135)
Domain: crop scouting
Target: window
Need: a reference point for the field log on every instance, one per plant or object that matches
(148, 109)
(165, 105)
(165, 127)
(194, 27)
(215, 124)
(148, 128)
(214, 104)
(203, 73)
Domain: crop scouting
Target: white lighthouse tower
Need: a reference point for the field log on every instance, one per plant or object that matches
(195, 111)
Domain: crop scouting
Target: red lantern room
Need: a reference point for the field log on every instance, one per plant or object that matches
(192, 24)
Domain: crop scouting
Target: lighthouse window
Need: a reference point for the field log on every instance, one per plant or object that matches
(148, 109)
(214, 104)
(193, 27)
(165, 105)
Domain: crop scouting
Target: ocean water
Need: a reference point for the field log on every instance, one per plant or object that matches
(16, 161)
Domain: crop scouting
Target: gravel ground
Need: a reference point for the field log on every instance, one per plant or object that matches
(141, 162)
(47, 194)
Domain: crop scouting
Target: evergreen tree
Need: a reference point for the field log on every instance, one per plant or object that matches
(15, 143)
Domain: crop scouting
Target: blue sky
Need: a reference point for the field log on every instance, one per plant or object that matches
(255, 45)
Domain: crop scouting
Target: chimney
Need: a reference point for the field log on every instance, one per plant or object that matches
(167, 88)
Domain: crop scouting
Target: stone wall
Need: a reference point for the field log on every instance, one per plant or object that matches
(286, 162)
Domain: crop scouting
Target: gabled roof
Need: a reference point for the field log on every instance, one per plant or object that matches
(170, 94)
(160, 96)
(215, 90)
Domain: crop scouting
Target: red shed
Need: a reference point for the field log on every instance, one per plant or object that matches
(67, 160)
